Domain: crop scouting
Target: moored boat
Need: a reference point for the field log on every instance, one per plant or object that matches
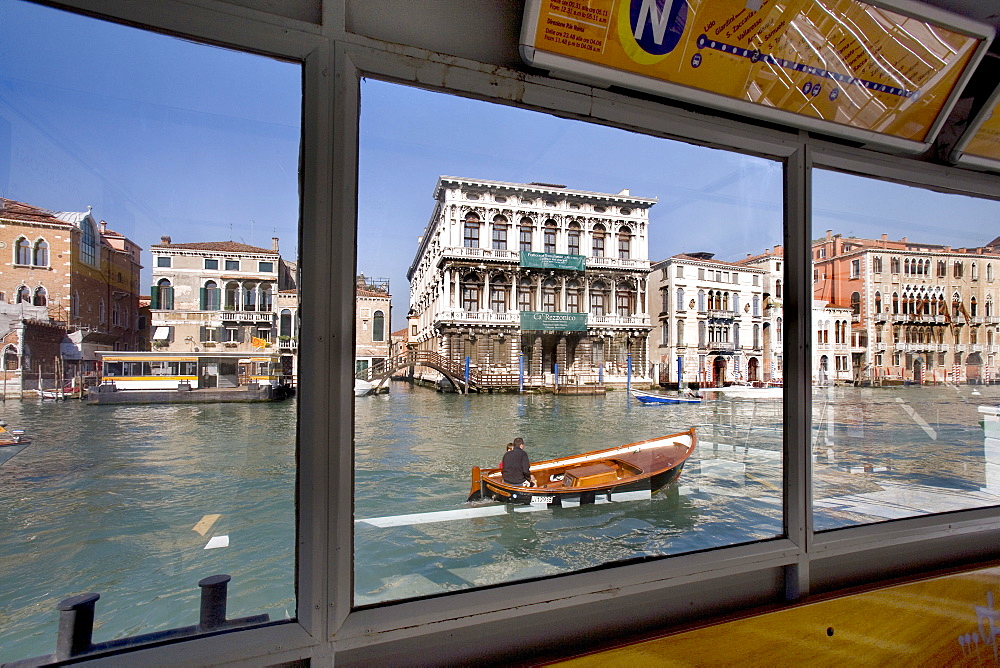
(650, 398)
(646, 466)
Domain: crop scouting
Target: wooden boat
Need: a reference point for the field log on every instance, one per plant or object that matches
(650, 398)
(11, 436)
(68, 393)
(646, 466)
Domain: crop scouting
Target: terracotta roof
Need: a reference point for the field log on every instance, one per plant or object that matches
(218, 246)
(400, 333)
(12, 209)
(370, 293)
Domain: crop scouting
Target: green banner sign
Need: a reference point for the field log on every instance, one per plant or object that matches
(553, 261)
(554, 322)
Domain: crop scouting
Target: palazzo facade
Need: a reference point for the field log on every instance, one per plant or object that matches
(534, 280)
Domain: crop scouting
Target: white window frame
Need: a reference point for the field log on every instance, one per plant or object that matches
(637, 595)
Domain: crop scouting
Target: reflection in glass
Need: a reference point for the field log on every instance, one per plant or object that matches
(902, 382)
(604, 243)
(112, 143)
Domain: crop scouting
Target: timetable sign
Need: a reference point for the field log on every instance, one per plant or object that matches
(840, 66)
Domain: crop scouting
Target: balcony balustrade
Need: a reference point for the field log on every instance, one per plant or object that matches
(719, 314)
(993, 319)
(616, 263)
(461, 252)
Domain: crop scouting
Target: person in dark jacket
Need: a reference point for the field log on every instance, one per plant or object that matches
(517, 466)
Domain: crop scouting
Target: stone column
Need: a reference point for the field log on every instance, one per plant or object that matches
(561, 356)
(536, 357)
(486, 306)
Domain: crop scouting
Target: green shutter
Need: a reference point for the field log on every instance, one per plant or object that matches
(154, 297)
(204, 299)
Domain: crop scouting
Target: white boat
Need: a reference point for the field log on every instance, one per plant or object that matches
(743, 392)
(361, 387)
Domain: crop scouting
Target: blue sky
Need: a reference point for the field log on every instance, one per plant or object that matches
(166, 137)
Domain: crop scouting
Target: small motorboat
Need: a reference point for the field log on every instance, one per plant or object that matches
(650, 398)
(646, 466)
(57, 395)
(12, 436)
(361, 387)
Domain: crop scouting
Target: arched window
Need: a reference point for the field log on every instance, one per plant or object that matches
(163, 295)
(471, 290)
(975, 271)
(680, 332)
(895, 302)
(756, 304)
(210, 296)
(777, 329)
(23, 250)
(756, 337)
(598, 240)
(894, 265)
(499, 291)
(878, 302)
(624, 243)
(549, 237)
(573, 239)
(989, 272)
(973, 307)
(573, 297)
(249, 296)
(524, 295)
(959, 269)
(680, 299)
(264, 304)
(856, 303)
(10, 358)
(701, 300)
(626, 299)
(285, 323)
(41, 254)
(599, 298)
(116, 314)
(232, 296)
(41, 297)
(378, 326)
(524, 243)
(988, 306)
(101, 311)
(75, 305)
(499, 233)
(23, 295)
(471, 231)
(88, 243)
(777, 289)
(549, 295)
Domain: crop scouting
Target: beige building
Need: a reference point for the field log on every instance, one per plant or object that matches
(536, 278)
(373, 313)
(220, 295)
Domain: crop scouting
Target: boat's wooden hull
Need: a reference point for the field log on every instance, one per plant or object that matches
(601, 475)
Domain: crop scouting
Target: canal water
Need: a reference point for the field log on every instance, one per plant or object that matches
(124, 500)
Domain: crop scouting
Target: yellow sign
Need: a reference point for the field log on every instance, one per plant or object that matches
(986, 142)
(841, 61)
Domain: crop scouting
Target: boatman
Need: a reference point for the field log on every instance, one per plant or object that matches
(517, 466)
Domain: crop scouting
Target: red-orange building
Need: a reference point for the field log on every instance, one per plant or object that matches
(84, 275)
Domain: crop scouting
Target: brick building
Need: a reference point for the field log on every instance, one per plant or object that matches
(84, 275)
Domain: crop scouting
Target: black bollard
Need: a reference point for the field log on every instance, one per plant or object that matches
(213, 601)
(76, 625)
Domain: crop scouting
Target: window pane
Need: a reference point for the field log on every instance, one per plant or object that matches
(906, 346)
(416, 447)
(176, 146)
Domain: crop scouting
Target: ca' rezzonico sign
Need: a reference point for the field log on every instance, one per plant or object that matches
(553, 322)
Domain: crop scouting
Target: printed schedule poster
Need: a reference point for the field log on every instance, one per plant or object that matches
(843, 61)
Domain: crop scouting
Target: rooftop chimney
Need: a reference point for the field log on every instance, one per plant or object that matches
(885, 237)
(104, 227)
(829, 234)
(274, 244)
(165, 241)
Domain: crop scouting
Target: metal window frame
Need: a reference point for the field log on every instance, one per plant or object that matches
(637, 596)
